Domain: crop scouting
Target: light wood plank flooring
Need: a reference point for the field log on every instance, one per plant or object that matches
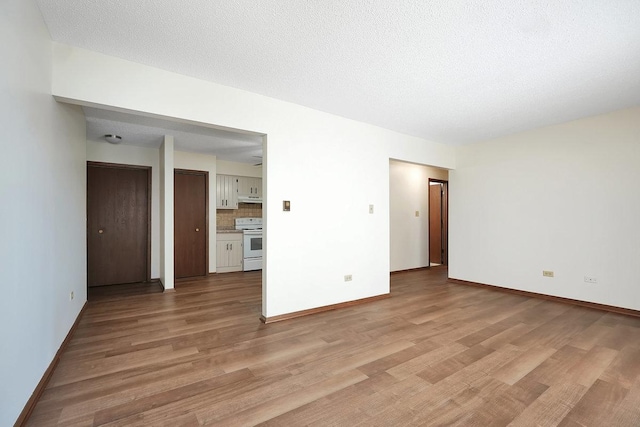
(436, 353)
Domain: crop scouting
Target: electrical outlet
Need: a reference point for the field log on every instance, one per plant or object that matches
(71, 296)
(348, 278)
(370, 209)
(547, 273)
(590, 279)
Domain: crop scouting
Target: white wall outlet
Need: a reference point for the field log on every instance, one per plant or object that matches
(71, 296)
(370, 209)
(348, 278)
(590, 279)
(547, 273)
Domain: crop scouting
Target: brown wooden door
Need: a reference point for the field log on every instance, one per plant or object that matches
(190, 219)
(435, 224)
(438, 222)
(117, 224)
(445, 223)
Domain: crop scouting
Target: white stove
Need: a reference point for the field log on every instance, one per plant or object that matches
(251, 242)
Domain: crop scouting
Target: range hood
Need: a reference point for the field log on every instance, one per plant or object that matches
(249, 199)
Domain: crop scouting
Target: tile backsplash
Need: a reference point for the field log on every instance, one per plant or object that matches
(225, 217)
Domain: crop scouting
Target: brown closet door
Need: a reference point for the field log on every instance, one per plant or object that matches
(117, 224)
(438, 222)
(190, 219)
(435, 224)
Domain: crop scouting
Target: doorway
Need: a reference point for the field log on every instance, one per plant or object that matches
(118, 235)
(230, 146)
(191, 218)
(438, 222)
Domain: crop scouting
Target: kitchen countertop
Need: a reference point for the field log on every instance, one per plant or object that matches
(228, 230)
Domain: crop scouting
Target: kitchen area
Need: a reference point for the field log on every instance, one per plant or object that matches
(238, 223)
(216, 171)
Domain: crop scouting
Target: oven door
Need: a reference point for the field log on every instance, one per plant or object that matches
(252, 244)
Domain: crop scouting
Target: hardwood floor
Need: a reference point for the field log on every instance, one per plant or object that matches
(99, 293)
(435, 353)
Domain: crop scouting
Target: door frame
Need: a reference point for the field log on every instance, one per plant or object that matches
(206, 218)
(446, 228)
(123, 166)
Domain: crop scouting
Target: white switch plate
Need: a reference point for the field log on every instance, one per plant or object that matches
(370, 209)
(417, 213)
(348, 278)
(590, 279)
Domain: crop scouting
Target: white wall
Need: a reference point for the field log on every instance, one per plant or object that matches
(239, 169)
(564, 198)
(42, 208)
(203, 162)
(167, 250)
(139, 156)
(408, 193)
(330, 168)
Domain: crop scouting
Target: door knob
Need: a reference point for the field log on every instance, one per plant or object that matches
(100, 231)
(197, 229)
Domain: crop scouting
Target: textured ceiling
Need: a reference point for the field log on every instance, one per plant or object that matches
(149, 132)
(453, 71)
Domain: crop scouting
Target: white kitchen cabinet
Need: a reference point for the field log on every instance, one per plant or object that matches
(226, 192)
(249, 186)
(228, 252)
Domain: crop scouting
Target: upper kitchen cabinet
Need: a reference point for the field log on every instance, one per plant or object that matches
(249, 187)
(226, 192)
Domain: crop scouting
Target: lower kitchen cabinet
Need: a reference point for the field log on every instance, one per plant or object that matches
(228, 252)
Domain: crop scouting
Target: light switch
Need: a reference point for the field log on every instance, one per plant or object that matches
(286, 205)
(370, 209)
(417, 213)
